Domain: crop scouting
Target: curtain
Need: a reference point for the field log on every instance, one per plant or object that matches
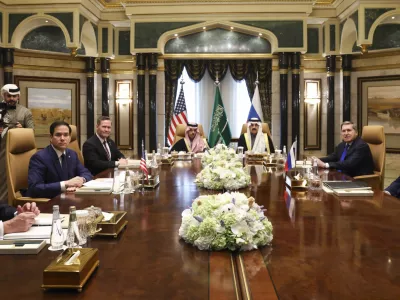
(205, 88)
(173, 71)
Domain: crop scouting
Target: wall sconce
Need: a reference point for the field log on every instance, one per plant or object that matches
(123, 91)
(312, 91)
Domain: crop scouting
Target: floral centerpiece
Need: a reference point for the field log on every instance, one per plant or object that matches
(222, 174)
(218, 153)
(225, 221)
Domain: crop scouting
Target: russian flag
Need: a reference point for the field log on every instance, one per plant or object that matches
(291, 159)
(255, 109)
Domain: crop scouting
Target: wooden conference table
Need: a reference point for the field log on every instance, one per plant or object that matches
(323, 248)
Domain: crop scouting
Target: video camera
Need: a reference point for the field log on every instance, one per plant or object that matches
(3, 111)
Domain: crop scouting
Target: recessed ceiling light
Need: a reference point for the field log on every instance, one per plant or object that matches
(260, 34)
(393, 17)
(175, 34)
(47, 21)
(232, 28)
(204, 28)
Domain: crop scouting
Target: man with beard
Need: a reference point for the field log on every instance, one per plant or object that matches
(254, 139)
(192, 142)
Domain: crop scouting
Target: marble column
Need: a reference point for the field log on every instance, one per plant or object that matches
(330, 114)
(295, 66)
(90, 67)
(153, 101)
(283, 93)
(105, 84)
(346, 66)
(141, 134)
(8, 63)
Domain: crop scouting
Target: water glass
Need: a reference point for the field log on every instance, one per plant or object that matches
(82, 217)
(165, 152)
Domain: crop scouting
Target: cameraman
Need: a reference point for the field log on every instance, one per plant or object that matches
(17, 116)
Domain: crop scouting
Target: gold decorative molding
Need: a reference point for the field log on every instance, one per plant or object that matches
(50, 69)
(364, 48)
(8, 69)
(89, 74)
(330, 74)
(283, 71)
(105, 75)
(140, 72)
(61, 56)
(295, 71)
(375, 68)
(376, 55)
(74, 51)
(218, 56)
(346, 73)
(153, 72)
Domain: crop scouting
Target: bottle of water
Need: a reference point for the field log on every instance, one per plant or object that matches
(73, 237)
(116, 184)
(57, 234)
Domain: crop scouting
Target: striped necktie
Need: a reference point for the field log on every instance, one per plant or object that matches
(108, 153)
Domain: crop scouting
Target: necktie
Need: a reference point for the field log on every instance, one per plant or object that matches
(344, 152)
(108, 153)
(64, 167)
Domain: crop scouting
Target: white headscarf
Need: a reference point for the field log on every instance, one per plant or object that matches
(259, 142)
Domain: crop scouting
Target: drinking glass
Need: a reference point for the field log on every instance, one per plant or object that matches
(165, 152)
(82, 217)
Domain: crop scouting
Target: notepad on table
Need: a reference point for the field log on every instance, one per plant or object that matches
(35, 232)
(45, 219)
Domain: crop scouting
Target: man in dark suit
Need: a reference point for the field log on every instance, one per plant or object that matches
(56, 169)
(352, 156)
(100, 152)
(18, 219)
(394, 188)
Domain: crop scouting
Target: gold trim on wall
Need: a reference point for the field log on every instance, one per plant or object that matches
(373, 68)
(47, 68)
(218, 56)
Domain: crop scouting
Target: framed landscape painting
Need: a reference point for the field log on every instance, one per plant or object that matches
(379, 104)
(49, 99)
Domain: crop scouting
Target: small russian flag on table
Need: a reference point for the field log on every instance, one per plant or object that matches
(291, 159)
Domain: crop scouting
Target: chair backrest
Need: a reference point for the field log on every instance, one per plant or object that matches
(74, 145)
(19, 150)
(265, 128)
(374, 136)
(180, 132)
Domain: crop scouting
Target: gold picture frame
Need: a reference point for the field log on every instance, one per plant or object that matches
(49, 99)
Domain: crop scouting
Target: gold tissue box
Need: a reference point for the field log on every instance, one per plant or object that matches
(114, 226)
(57, 275)
(294, 183)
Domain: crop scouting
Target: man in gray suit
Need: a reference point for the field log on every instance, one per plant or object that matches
(17, 116)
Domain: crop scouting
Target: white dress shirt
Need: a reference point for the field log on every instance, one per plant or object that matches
(108, 147)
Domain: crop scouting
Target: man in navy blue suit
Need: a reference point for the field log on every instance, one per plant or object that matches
(352, 156)
(394, 188)
(56, 169)
(99, 151)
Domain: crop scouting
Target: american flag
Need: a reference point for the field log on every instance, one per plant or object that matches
(143, 165)
(179, 116)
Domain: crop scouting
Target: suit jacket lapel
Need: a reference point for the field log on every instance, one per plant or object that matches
(101, 146)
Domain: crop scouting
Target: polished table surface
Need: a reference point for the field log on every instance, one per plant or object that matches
(324, 247)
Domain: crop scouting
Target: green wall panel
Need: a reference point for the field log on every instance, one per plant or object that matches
(332, 37)
(218, 40)
(104, 44)
(386, 36)
(147, 34)
(45, 38)
(288, 33)
(124, 38)
(68, 20)
(312, 40)
(13, 22)
(371, 14)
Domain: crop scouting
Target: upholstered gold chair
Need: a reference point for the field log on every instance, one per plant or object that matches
(74, 145)
(180, 132)
(374, 136)
(265, 129)
(19, 149)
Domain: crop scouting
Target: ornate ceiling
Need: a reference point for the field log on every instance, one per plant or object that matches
(119, 3)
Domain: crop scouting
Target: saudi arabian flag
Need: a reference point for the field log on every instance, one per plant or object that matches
(219, 131)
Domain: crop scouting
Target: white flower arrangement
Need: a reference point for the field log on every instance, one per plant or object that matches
(225, 221)
(218, 153)
(221, 174)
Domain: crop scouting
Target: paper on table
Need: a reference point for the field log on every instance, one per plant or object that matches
(99, 184)
(45, 219)
(132, 163)
(35, 232)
